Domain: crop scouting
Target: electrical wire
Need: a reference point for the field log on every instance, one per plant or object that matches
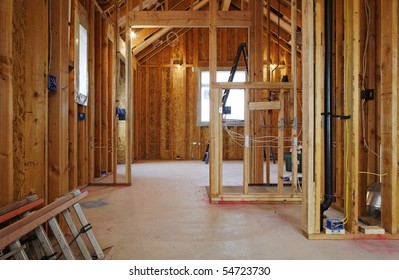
(372, 173)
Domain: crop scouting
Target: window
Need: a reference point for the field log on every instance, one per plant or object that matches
(235, 100)
(83, 82)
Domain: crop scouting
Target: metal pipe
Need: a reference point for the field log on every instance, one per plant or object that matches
(328, 191)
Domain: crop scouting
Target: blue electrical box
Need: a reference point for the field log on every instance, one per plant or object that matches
(335, 224)
(52, 82)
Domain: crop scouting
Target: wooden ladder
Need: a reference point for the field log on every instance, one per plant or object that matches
(26, 238)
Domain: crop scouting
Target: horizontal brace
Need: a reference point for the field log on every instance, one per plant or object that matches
(337, 116)
(253, 85)
(272, 105)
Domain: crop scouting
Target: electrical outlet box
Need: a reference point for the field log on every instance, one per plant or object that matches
(81, 116)
(227, 110)
(368, 94)
(51, 82)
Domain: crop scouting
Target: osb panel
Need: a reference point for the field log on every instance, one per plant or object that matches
(178, 101)
(193, 131)
(19, 88)
(154, 113)
(203, 41)
(165, 123)
(188, 38)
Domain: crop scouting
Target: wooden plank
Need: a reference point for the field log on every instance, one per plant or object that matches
(104, 98)
(281, 137)
(73, 90)
(156, 19)
(97, 96)
(310, 201)
(294, 78)
(226, 5)
(92, 90)
(256, 75)
(286, 198)
(319, 108)
(58, 102)
(18, 229)
(36, 107)
(111, 108)
(6, 103)
(165, 129)
(129, 107)
(18, 211)
(389, 100)
(246, 172)
(339, 108)
(268, 105)
(253, 85)
(215, 147)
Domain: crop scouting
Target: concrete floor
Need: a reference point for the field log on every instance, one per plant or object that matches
(166, 215)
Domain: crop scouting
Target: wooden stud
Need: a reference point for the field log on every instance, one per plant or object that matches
(36, 107)
(97, 97)
(310, 199)
(294, 78)
(129, 109)
(215, 149)
(92, 89)
(389, 129)
(281, 137)
(319, 108)
(339, 108)
(104, 98)
(6, 103)
(58, 102)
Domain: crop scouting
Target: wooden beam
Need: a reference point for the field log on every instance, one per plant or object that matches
(281, 142)
(36, 107)
(310, 200)
(58, 102)
(129, 104)
(352, 89)
(6, 103)
(92, 89)
(226, 5)
(318, 109)
(256, 75)
(104, 98)
(156, 19)
(294, 78)
(215, 145)
(254, 85)
(389, 130)
(271, 105)
(97, 97)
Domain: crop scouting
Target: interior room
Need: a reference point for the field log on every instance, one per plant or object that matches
(199, 129)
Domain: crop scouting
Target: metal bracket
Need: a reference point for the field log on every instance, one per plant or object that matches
(281, 126)
(296, 123)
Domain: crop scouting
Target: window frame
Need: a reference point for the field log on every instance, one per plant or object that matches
(232, 122)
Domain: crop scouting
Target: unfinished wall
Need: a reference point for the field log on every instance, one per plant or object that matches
(30, 21)
(166, 111)
(121, 124)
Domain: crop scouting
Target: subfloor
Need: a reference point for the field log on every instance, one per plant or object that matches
(166, 215)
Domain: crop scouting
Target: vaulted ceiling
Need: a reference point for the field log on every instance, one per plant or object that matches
(151, 40)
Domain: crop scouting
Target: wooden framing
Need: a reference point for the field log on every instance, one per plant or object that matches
(58, 102)
(389, 126)
(6, 103)
(310, 199)
(92, 90)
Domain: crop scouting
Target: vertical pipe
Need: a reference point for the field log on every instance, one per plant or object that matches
(327, 108)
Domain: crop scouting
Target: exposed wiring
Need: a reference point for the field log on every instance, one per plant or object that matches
(372, 173)
(367, 13)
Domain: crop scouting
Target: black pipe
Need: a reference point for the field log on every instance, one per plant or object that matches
(328, 190)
